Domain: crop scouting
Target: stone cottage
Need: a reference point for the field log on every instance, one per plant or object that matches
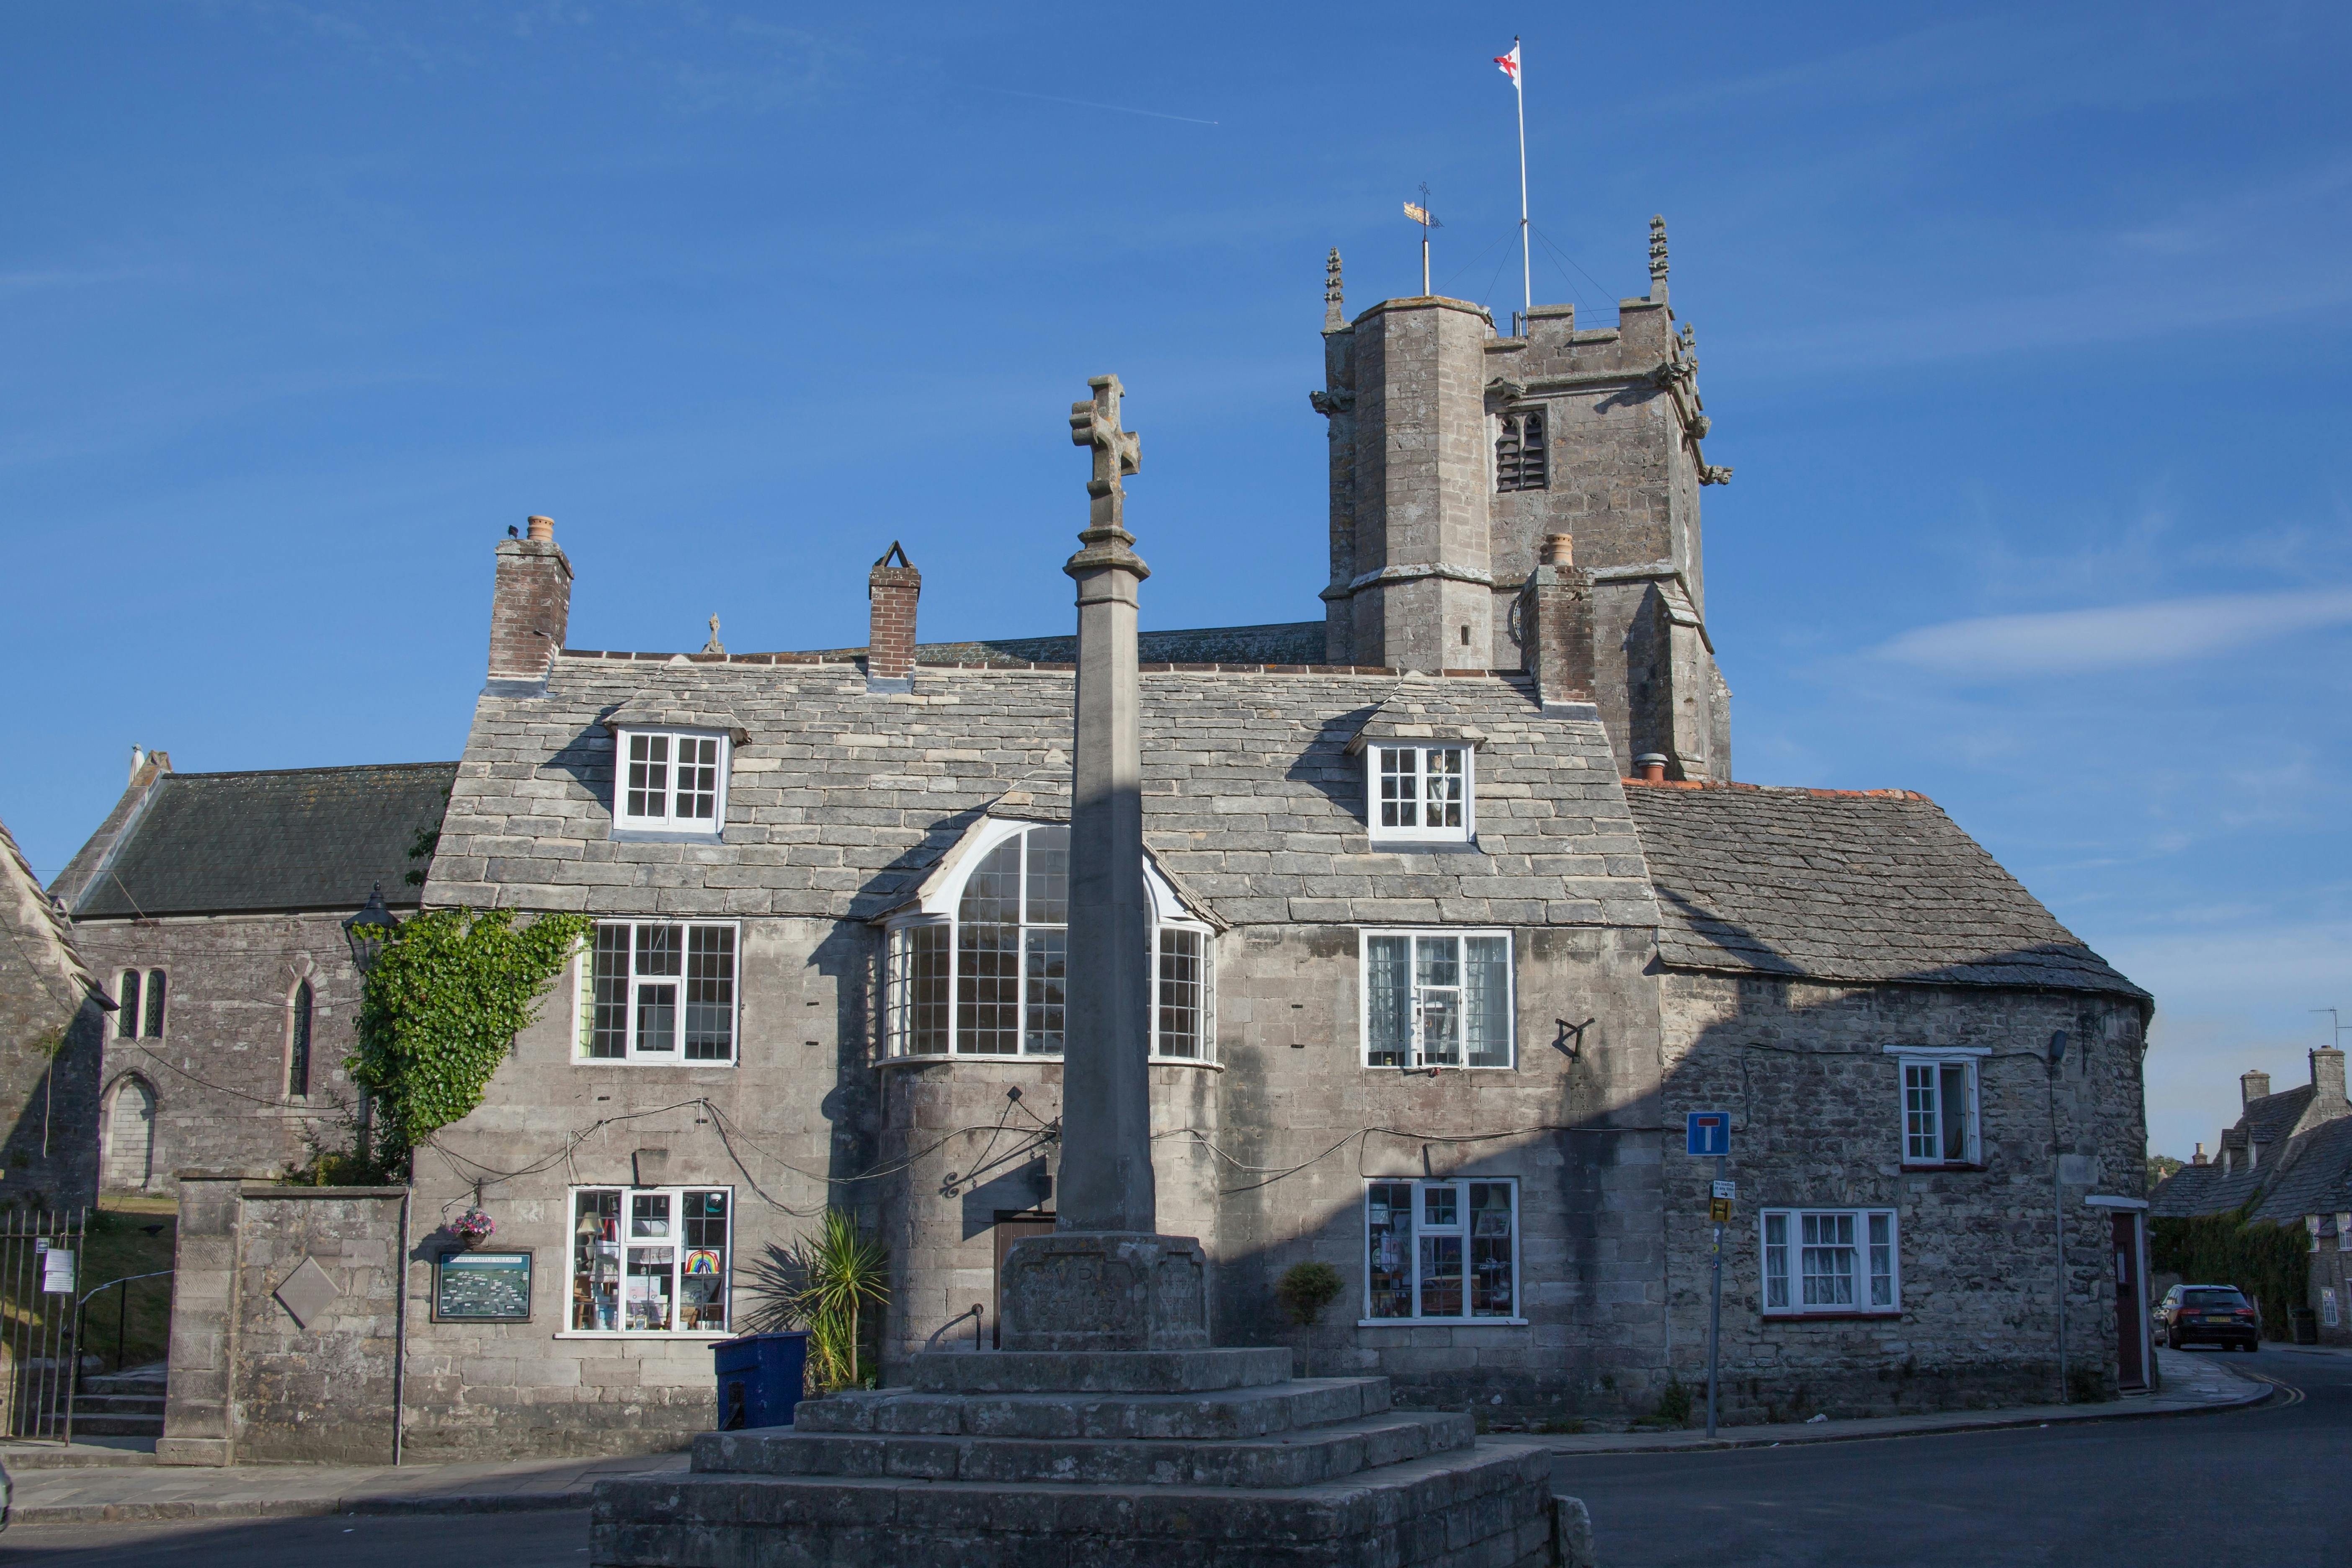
(211, 906)
(1456, 915)
(52, 1028)
(2287, 1160)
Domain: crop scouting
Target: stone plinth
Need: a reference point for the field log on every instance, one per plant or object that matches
(1250, 1471)
(1093, 1292)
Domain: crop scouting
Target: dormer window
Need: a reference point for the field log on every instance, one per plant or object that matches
(1420, 793)
(670, 781)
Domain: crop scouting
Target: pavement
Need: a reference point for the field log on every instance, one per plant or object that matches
(121, 1482)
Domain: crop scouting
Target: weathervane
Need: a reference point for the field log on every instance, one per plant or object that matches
(1419, 214)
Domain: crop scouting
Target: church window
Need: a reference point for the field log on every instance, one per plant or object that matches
(1521, 460)
(126, 1012)
(151, 1026)
(650, 1260)
(672, 780)
(297, 1044)
(1940, 1106)
(1839, 1262)
(655, 991)
(1420, 793)
(1441, 1250)
(984, 969)
(1437, 999)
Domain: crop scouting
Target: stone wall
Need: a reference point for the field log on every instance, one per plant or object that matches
(1816, 1107)
(285, 1323)
(218, 1074)
(50, 1050)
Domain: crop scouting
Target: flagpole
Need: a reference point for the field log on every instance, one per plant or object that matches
(1526, 263)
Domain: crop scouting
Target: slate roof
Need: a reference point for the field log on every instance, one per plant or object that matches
(1287, 642)
(2285, 1172)
(295, 839)
(840, 799)
(1842, 885)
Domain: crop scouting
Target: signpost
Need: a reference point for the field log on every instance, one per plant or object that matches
(1708, 1134)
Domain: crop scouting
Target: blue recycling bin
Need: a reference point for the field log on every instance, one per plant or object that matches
(759, 1379)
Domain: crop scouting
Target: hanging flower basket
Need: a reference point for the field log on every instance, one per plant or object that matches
(472, 1228)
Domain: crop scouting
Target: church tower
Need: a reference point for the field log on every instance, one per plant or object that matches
(1455, 453)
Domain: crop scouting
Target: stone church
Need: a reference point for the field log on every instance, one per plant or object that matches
(1457, 914)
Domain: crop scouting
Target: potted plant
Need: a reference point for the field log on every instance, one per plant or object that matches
(472, 1228)
(1304, 1291)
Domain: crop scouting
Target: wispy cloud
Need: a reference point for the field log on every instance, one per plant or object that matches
(2122, 637)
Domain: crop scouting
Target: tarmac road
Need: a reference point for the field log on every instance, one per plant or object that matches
(547, 1539)
(2268, 1484)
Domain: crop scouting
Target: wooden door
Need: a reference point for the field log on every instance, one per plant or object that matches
(2131, 1302)
(1009, 1228)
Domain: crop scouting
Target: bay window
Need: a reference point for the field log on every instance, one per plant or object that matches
(1840, 1262)
(1441, 1250)
(657, 991)
(988, 979)
(650, 1260)
(1437, 999)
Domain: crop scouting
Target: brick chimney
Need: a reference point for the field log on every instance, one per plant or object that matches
(2327, 1083)
(2252, 1087)
(1556, 624)
(890, 596)
(2200, 1155)
(531, 605)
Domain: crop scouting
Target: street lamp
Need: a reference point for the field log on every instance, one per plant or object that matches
(368, 930)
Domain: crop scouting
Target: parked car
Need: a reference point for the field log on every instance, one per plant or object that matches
(2214, 1314)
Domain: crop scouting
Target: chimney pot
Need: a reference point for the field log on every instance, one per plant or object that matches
(2253, 1086)
(2200, 1157)
(1652, 766)
(543, 529)
(891, 593)
(1559, 549)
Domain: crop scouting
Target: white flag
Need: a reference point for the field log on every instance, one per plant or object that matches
(1510, 62)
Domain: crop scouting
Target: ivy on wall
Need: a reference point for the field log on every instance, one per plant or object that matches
(449, 993)
(2269, 1262)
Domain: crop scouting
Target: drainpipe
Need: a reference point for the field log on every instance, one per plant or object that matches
(2058, 1206)
(400, 1331)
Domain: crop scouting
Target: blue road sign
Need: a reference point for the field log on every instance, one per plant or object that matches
(1708, 1133)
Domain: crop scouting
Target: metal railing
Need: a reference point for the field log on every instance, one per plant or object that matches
(39, 1252)
(121, 1319)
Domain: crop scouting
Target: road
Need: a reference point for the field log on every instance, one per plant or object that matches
(2267, 1485)
(506, 1539)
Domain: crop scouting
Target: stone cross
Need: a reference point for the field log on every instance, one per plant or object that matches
(714, 645)
(1106, 1182)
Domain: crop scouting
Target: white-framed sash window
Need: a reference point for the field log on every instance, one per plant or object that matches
(670, 780)
(1437, 999)
(1840, 1262)
(1442, 1251)
(1420, 793)
(658, 991)
(651, 1260)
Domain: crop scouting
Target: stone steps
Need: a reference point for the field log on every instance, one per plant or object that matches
(86, 1403)
(1101, 1372)
(1326, 1453)
(1466, 1508)
(1225, 1414)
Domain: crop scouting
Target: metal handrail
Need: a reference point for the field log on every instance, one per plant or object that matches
(73, 1384)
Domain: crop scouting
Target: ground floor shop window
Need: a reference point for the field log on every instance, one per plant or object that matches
(1438, 1251)
(650, 1260)
(1835, 1261)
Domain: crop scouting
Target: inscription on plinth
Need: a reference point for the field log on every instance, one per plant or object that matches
(1105, 1290)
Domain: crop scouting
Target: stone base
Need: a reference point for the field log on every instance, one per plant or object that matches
(193, 1451)
(1105, 1291)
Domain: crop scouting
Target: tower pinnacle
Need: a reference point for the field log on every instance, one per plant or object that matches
(1334, 295)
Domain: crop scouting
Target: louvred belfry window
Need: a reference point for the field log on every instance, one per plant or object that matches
(1521, 459)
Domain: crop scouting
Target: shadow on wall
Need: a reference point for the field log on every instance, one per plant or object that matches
(51, 1153)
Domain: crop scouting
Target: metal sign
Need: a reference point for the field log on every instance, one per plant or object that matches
(1727, 1191)
(1708, 1133)
(1718, 1210)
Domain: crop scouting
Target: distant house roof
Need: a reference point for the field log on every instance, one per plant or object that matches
(295, 839)
(1838, 886)
(2295, 1173)
(1288, 642)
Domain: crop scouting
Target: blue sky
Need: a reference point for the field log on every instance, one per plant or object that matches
(2025, 331)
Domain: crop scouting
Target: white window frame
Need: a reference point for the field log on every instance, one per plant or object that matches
(1419, 831)
(621, 1245)
(585, 1000)
(939, 912)
(1933, 1065)
(1783, 1244)
(1419, 1007)
(1461, 1229)
(668, 740)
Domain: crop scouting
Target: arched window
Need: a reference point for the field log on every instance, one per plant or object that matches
(126, 1013)
(979, 968)
(298, 1047)
(154, 1030)
(130, 1135)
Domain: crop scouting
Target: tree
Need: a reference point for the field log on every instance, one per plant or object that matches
(847, 1271)
(1304, 1291)
(2159, 1166)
